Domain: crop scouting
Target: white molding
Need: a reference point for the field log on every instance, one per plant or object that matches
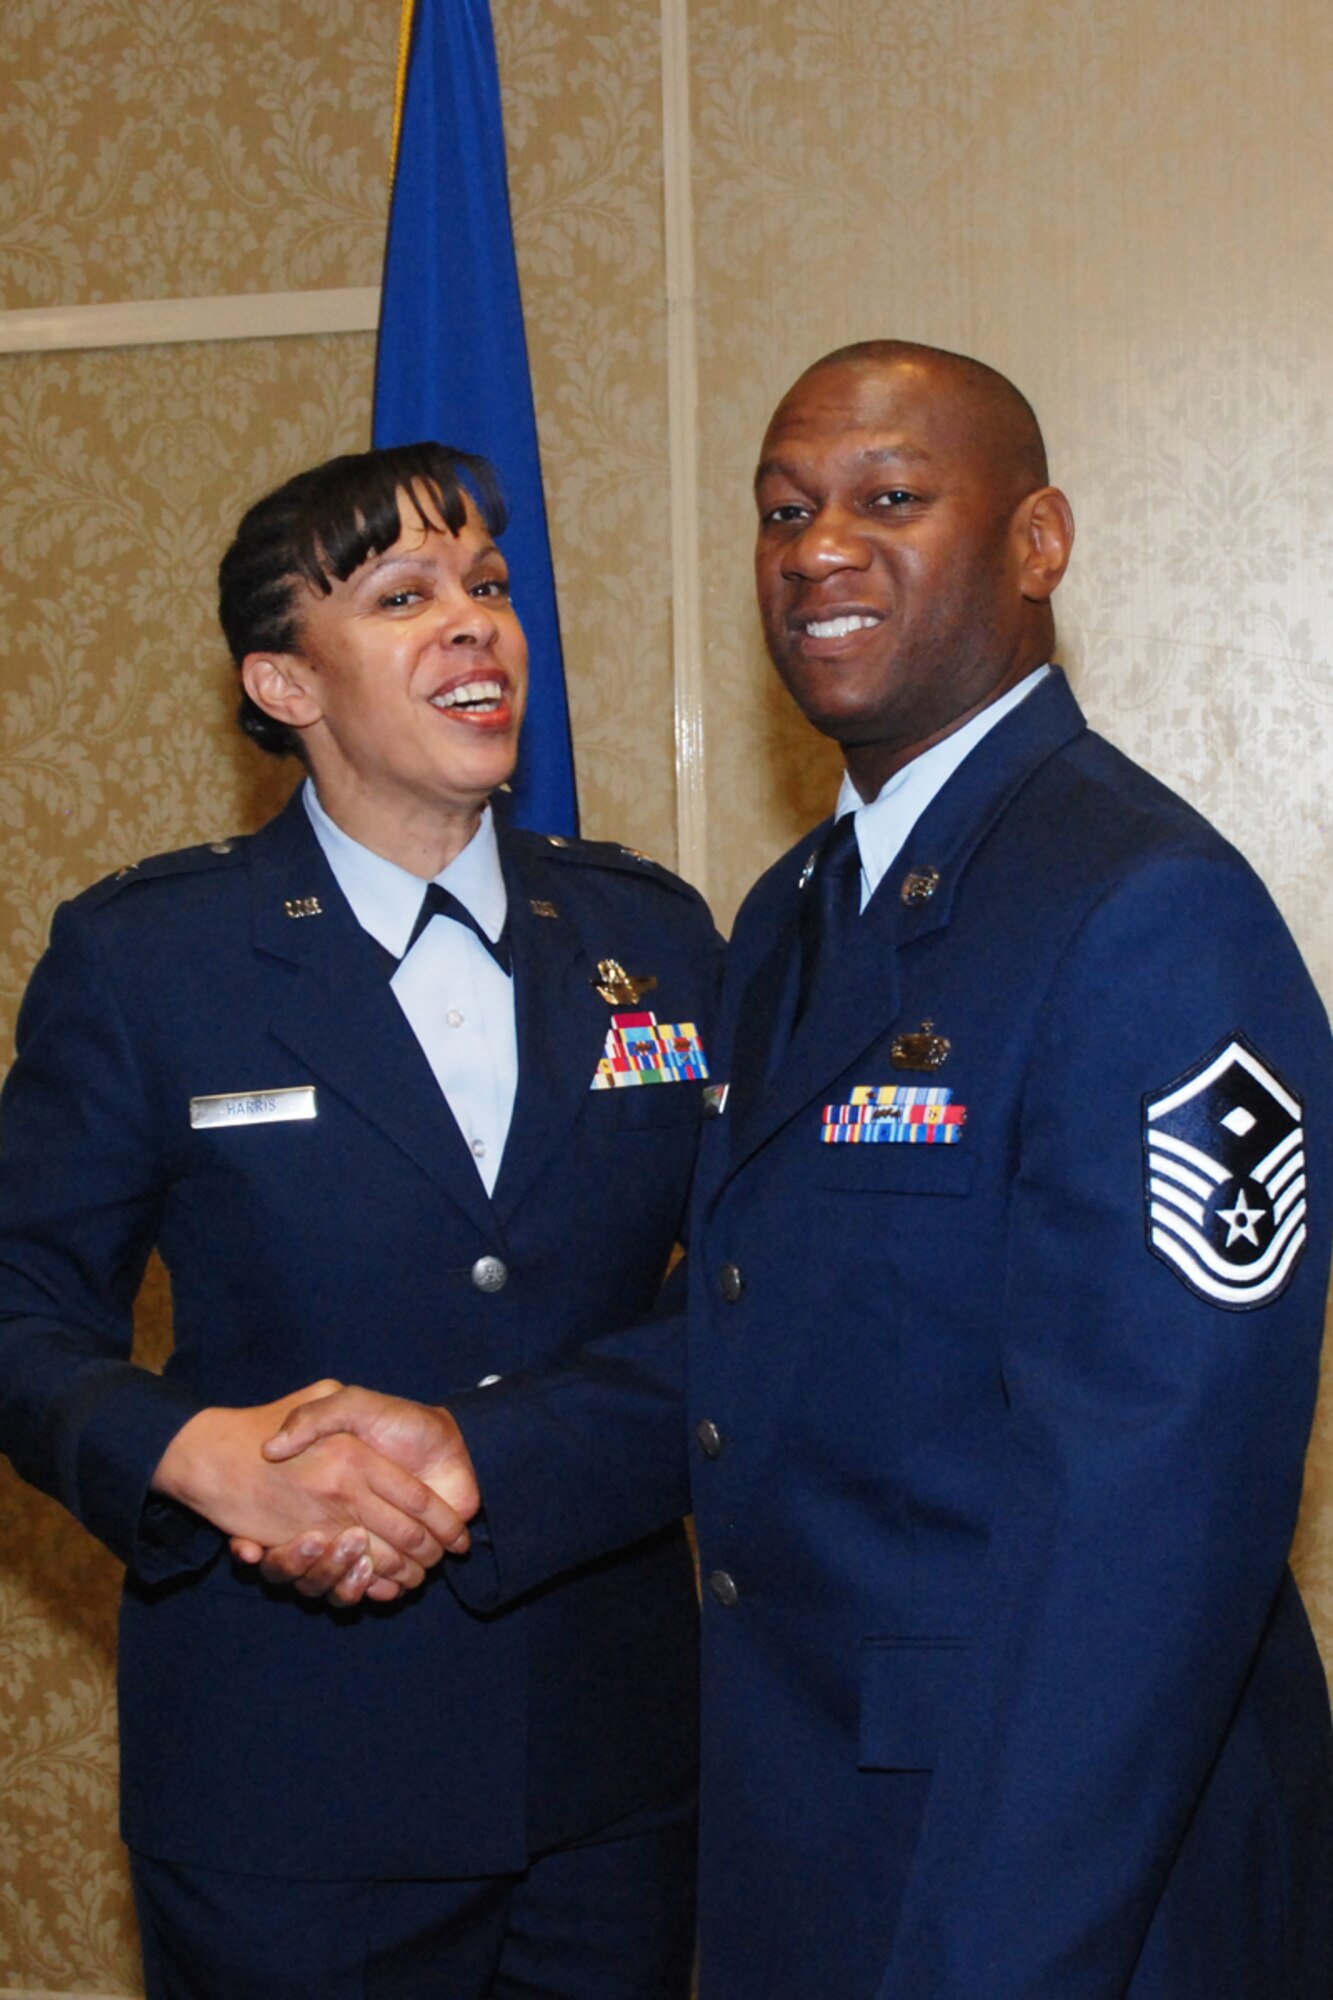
(683, 447)
(157, 322)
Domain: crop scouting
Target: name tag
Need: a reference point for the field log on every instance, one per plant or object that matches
(253, 1107)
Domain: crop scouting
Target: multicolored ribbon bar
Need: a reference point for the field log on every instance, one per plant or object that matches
(895, 1114)
(640, 1049)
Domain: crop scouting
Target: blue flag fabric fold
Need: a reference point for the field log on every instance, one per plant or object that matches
(452, 362)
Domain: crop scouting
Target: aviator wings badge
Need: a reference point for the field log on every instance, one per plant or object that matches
(1224, 1174)
(618, 987)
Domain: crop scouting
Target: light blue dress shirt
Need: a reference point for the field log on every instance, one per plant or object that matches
(458, 1001)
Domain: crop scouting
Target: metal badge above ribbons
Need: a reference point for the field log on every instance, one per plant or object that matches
(620, 988)
(924, 1050)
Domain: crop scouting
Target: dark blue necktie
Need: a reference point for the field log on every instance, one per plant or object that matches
(830, 908)
(440, 902)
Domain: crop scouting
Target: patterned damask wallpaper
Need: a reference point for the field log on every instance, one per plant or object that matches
(1125, 206)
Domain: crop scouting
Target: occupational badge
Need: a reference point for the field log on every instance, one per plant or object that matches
(888, 1114)
(639, 1049)
(620, 988)
(1224, 1178)
(923, 1050)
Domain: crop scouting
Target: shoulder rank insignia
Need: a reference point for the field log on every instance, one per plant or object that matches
(1224, 1178)
(618, 987)
(923, 1050)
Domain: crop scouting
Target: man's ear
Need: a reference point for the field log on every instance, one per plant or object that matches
(1044, 525)
(277, 683)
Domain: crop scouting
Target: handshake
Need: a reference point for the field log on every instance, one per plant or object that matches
(341, 1492)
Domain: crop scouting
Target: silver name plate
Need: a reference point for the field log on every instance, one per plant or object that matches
(253, 1107)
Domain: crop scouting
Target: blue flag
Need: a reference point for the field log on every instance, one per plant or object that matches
(453, 359)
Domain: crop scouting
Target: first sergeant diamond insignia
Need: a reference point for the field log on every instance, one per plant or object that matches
(1224, 1178)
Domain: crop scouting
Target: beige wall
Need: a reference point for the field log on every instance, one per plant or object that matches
(1123, 203)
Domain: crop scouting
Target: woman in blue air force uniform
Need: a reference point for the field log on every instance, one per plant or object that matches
(375, 1143)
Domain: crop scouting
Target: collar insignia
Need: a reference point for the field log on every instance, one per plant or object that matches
(919, 886)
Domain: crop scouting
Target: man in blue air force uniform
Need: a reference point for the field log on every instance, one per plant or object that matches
(388, 1139)
(1009, 1251)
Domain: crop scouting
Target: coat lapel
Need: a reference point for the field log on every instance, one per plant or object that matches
(561, 1022)
(848, 1012)
(339, 1016)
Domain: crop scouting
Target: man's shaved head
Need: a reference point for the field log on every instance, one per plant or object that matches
(1000, 416)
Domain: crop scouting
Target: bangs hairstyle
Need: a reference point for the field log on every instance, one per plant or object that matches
(317, 529)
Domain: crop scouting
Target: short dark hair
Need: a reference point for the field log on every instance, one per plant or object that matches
(323, 524)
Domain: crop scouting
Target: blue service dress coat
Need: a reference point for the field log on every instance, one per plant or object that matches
(259, 1732)
(1008, 1270)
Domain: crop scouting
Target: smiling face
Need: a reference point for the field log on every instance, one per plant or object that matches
(904, 557)
(408, 688)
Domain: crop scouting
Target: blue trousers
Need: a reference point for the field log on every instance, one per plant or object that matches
(609, 1919)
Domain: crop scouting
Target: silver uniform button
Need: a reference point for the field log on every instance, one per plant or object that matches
(478, 1149)
(489, 1274)
(454, 1018)
(733, 1284)
(488, 1381)
(722, 1589)
(711, 1440)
